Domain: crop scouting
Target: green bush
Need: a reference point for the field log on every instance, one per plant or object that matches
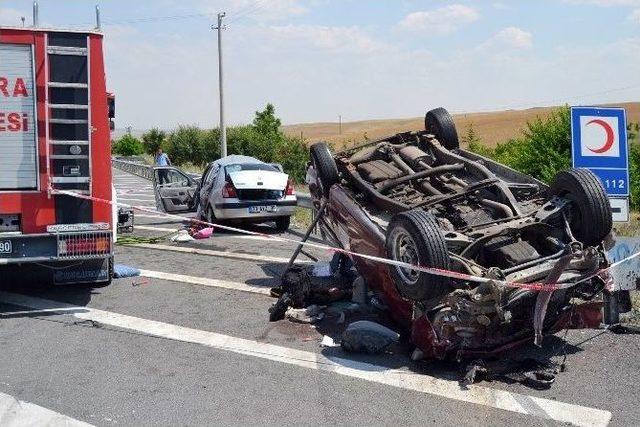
(184, 145)
(634, 172)
(545, 149)
(127, 145)
(152, 140)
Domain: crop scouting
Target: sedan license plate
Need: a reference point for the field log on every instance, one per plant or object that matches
(260, 209)
(6, 247)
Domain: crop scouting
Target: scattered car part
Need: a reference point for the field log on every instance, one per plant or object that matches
(125, 220)
(311, 314)
(369, 337)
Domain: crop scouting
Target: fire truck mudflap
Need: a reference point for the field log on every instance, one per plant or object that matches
(54, 135)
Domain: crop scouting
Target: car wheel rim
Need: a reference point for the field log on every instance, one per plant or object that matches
(405, 250)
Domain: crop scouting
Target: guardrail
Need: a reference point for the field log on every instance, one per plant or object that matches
(145, 171)
(135, 168)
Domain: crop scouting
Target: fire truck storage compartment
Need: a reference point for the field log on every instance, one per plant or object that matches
(18, 141)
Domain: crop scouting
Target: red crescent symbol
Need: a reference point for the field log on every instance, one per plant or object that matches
(610, 136)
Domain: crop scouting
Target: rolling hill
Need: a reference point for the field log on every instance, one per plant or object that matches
(490, 127)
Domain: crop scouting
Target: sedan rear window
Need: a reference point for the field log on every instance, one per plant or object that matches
(251, 167)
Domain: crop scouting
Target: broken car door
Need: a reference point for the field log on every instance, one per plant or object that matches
(174, 190)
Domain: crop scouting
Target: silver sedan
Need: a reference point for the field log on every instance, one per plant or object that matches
(234, 188)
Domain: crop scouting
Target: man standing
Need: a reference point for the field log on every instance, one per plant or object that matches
(162, 160)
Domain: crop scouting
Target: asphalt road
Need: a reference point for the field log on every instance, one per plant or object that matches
(190, 344)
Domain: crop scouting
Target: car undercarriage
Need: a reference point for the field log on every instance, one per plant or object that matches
(530, 251)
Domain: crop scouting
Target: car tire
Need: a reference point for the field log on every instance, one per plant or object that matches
(283, 223)
(440, 123)
(590, 216)
(414, 237)
(325, 166)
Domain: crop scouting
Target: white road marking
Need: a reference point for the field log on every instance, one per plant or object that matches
(164, 230)
(135, 200)
(18, 413)
(232, 236)
(404, 379)
(134, 194)
(140, 215)
(214, 283)
(220, 254)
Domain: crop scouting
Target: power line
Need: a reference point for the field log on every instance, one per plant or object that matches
(258, 6)
(238, 14)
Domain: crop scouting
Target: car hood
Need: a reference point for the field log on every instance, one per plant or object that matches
(251, 180)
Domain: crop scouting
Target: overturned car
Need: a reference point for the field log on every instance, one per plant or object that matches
(519, 258)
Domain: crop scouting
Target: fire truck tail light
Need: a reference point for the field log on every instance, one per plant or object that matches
(86, 244)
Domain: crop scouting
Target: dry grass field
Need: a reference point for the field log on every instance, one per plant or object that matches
(491, 127)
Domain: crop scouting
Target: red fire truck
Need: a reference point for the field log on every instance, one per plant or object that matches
(54, 135)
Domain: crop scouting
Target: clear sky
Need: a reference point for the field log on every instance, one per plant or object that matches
(317, 59)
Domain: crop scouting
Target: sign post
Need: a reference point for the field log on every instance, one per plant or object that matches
(599, 143)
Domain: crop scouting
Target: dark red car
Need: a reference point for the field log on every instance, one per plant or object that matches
(417, 197)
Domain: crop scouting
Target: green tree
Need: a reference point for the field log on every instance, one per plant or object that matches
(184, 145)
(262, 139)
(266, 123)
(152, 140)
(633, 129)
(128, 145)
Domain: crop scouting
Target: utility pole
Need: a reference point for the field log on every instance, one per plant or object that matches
(223, 128)
(98, 26)
(36, 19)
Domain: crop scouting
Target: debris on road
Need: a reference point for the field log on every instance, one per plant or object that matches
(322, 269)
(301, 288)
(182, 237)
(368, 337)
(533, 373)
(121, 271)
(312, 314)
(328, 342)
(205, 233)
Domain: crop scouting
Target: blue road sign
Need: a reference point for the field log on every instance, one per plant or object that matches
(599, 143)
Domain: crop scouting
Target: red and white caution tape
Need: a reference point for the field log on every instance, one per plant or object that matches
(538, 286)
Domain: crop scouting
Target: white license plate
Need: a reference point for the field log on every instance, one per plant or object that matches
(260, 209)
(6, 247)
